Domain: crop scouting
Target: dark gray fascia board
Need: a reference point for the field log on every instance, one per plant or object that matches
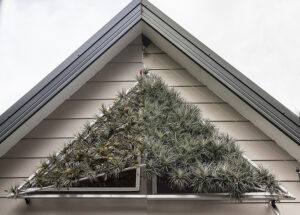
(69, 69)
(263, 103)
(218, 68)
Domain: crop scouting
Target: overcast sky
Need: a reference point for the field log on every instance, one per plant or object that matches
(259, 38)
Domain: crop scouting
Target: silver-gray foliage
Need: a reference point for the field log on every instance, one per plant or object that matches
(174, 141)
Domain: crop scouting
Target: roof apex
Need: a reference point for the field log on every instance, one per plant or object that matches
(142, 10)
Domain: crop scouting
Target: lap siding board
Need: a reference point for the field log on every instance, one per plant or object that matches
(66, 120)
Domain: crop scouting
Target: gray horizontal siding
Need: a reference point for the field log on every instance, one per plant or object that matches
(118, 72)
(60, 126)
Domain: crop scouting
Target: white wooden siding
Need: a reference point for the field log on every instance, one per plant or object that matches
(60, 126)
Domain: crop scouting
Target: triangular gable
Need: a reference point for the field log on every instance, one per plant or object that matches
(263, 110)
(151, 126)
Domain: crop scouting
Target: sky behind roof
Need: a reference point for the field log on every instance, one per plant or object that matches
(259, 38)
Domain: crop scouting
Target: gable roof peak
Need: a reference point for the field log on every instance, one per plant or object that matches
(140, 16)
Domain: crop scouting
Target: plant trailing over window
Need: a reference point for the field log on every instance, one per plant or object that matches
(175, 143)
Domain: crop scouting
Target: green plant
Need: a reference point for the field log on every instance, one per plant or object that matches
(153, 122)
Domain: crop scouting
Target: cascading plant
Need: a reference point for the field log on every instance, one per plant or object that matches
(170, 136)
